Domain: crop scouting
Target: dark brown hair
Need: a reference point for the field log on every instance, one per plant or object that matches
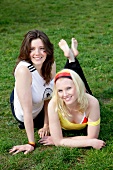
(25, 52)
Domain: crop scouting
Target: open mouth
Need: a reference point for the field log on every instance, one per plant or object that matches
(67, 98)
(37, 58)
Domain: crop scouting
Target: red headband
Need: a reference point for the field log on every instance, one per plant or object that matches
(62, 75)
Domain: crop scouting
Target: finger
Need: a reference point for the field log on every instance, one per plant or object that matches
(104, 144)
(39, 130)
(16, 152)
(41, 142)
(42, 134)
(46, 133)
(26, 152)
(42, 139)
(12, 150)
(45, 144)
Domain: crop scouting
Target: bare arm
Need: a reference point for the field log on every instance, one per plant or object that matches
(23, 87)
(45, 130)
(59, 140)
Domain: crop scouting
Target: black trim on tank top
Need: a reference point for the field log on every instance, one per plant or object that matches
(31, 68)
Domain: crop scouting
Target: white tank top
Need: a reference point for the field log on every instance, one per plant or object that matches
(40, 92)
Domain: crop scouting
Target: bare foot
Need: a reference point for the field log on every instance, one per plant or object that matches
(74, 46)
(67, 52)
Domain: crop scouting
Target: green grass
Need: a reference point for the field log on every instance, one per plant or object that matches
(91, 23)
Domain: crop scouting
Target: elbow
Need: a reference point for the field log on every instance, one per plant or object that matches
(58, 143)
(93, 137)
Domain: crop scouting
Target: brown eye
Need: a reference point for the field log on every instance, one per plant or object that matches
(31, 49)
(43, 49)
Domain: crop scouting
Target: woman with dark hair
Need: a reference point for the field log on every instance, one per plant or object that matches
(34, 73)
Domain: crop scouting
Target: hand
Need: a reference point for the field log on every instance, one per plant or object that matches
(43, 131)
(46, 140)
(21, 148)
(98, 144)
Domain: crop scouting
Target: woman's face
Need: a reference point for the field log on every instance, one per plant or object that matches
(37, 53)
(66, 90)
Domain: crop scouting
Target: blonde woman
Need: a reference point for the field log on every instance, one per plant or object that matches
(71, 108)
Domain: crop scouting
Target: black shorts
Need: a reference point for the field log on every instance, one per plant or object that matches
(38, 121)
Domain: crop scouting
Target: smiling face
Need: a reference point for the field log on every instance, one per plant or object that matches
(66, 91)
(37, 52)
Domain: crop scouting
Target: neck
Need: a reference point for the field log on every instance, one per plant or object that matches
(73, 106)
(38, 68)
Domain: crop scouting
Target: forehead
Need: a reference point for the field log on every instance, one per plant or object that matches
(64, 82)
(37, 42)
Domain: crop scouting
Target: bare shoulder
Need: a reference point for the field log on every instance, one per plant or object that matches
(52, 103)
(93, 101)
(93, 109)
(52, 112)
(22, 71)
(23, 76)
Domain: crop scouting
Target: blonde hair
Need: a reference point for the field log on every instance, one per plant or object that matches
(80, 88)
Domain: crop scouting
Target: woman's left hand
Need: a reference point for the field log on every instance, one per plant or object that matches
(43, 131)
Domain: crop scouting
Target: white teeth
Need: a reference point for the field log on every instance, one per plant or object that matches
(38, 58)
(67, 99)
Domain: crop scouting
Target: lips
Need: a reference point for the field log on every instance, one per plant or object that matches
(37, 58)
(67, 98)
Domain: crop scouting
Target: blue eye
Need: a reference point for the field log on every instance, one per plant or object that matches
(68, 88)
(59, 91)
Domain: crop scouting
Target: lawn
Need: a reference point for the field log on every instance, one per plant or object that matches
(91, 23)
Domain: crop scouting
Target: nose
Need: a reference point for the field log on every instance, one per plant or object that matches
(64, 93)
(37, 51)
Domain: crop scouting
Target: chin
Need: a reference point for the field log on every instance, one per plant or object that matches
(68, 102)
(38, 62)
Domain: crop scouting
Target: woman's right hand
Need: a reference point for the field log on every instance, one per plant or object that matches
(46, 140)
(97, 144)
(21, 148)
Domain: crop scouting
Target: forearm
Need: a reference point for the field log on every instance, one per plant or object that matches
(29, 127)
(75, 143)
(46, 122)
(80, 137)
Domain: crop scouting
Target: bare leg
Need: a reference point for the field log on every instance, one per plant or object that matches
(74, 45)
(67, 51)
(72, 62)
